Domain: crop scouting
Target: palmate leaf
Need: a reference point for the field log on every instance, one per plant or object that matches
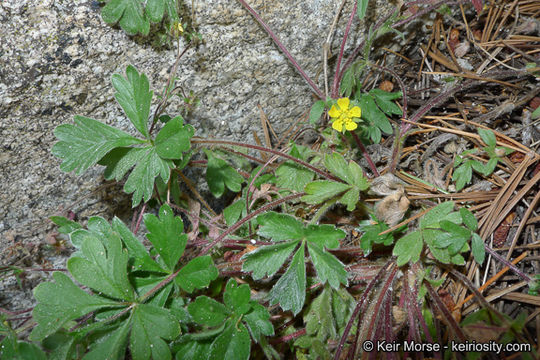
(322, 190)
(62, 301)
(229, 335)
(373, 114)
(102, 266)
(82, 145)
(266, 261)
(141, 260)
(148, 165)
(325, 318)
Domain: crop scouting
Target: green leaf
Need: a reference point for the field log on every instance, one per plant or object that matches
(347, 82)
(290, 289)
(174, 139)
(468, 219)
(155, 10)
(232, 344)
(197, 274)
(280, 227)
(134, 95)
(384, 101)
(113, 346)
(373, 114)
(463, 175)
(12, 349)
(207, 311)
(62, 301)
(536, 113)
(82, 145)
(324, 235)
(237, 297)
(490, 166)
(291, 175)
(233, 212)
(65, 226)
(385, 95)
(167, 235)
(321, 190)
(477, 247)
(487, 136)
(130, 15)
(316, 111)
(192, 350)
(458, 260)
(358, 178)
(440, 254)
(267, 260)
(141, 260)
(460, 235)
(362, 8)
(408, 248)
(373, 133)
(220, 174)
(436, 214)
(350, 198)
(258, 321)
(102, 266)
(328, 267)
(150, 325)
(141, 180)
(337, 165)
(319, 318)
(371, 230)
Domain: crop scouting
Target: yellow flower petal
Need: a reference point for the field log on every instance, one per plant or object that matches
(337, 125)
(350, 125)
(355, 112)
(334, 112)
(343, 103)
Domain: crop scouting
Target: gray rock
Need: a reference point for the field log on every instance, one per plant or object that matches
(57, 58)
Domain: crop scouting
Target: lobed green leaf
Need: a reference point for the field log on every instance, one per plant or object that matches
(167, 235)
(134, 96)
(82, 145)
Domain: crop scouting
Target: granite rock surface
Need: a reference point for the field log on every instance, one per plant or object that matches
(56, 61)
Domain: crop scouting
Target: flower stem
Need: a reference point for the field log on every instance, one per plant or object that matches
(335, 85)
(365, 154)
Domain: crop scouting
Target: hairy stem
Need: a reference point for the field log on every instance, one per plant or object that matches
(274, 37)
(335, 85)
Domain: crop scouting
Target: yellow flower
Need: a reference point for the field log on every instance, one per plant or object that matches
(344, 118)
(177, 29)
